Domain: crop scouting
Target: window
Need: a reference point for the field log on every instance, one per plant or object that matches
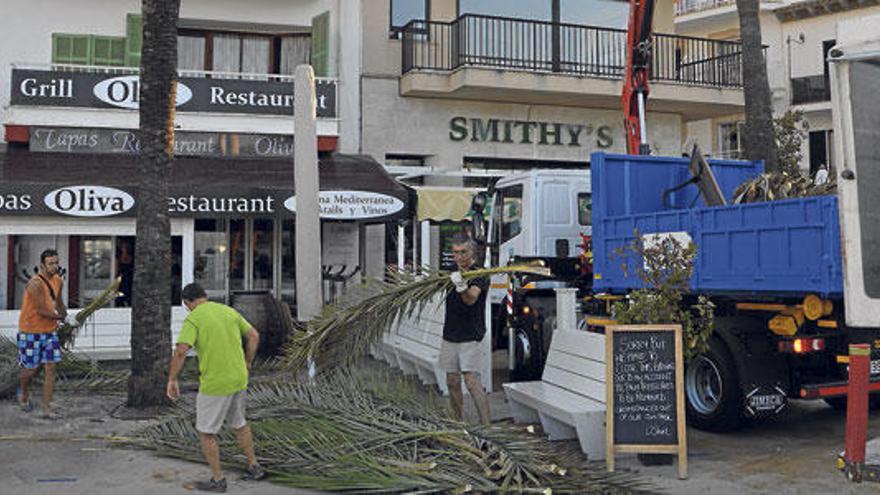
(83, 49)
(241, 52)
(538, 10)
(603, 13)
(392, 160)
(211, 260)
(510, 203)
(320, 56)
(403, 11)
(730, 140)
(585, 209)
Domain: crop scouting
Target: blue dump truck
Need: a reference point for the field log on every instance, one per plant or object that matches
(773, 270)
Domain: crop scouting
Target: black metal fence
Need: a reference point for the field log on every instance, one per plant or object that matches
(518, 44)
(810, 89)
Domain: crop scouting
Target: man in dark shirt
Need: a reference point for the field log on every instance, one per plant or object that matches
(463, 330)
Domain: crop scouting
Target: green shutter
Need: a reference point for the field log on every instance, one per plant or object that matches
(71, 49)
(321, 44)
(108, 50)
(134, 37)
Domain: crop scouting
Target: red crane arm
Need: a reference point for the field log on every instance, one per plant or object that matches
(635, 77)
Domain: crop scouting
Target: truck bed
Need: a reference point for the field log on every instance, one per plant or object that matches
(777, 248)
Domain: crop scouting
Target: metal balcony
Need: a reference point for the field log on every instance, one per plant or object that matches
(566, 49)
(810, 89)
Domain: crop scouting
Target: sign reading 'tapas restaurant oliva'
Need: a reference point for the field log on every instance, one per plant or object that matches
(101, 90)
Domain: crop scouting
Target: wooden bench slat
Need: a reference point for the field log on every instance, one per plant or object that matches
(585, 386)
(586, 344)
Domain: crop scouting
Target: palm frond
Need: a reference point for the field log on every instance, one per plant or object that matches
(67, 333)
(358, 432)
(343, 332)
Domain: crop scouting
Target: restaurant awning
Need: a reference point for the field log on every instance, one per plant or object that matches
(441, 204)
(353, 187)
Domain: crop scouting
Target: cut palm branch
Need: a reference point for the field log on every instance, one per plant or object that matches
(343, 332)
(780, 185)
(366, 431)
(67, 333)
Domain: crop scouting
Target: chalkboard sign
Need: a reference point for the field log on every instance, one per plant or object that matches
(645, 400)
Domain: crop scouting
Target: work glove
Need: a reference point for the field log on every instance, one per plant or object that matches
(71, 320)
(460, 283)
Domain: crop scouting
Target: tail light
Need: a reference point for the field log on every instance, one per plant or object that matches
(802, 345)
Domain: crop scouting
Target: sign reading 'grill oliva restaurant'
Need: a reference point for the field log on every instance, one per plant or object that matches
(127, 142)
(528, 132)
(97, 90)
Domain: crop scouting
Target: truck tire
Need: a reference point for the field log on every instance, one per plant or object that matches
(713, 395)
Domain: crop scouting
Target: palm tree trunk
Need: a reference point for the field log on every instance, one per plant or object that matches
(759, 140)
(151, 309)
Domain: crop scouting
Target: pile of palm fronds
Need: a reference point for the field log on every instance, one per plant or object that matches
(344, 331)
(350, 431)
(67, 333)
(780, 185)
(9, 370)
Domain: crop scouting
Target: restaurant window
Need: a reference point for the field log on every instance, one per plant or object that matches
(403, 11)
(263, 235)
(288, 263)
(211, 257)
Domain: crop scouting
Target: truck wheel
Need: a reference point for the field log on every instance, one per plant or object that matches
(713, 394)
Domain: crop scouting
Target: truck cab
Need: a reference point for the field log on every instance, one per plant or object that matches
(539, 214)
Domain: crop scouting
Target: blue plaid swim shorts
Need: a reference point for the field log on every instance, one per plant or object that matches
(36, 348)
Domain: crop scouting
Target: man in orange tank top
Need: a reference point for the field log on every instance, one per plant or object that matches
(41, 311)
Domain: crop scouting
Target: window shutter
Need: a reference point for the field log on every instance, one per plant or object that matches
(134, 38)
(71, 49)
(108, 50)
(321, 44)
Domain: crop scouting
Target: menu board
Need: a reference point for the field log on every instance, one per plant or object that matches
(645, 400)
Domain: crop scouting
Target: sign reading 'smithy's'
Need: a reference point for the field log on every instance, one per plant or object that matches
(101, 90)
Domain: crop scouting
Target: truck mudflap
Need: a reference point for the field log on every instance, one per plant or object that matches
(765, 401)
(834, 389)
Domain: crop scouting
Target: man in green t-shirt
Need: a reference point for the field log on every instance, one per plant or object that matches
(215, 330)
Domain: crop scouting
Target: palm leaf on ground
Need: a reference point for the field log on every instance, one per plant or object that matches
(367, 431)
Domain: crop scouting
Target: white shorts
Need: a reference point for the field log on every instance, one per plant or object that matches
(460, 357)
(212, 410)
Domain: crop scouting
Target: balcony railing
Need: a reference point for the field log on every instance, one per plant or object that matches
(538, 46)
(810, 89)
(683, 7)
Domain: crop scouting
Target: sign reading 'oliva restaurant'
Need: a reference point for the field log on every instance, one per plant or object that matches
(194, 94)
(104, 201)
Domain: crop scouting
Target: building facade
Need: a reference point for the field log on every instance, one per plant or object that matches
(461, 85)
(69, 104)
(798, 35)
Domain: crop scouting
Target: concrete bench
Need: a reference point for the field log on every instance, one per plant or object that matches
(569, 400)
(417, 345)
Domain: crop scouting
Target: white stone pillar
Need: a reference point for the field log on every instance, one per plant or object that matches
(308, 222)
(566, 313)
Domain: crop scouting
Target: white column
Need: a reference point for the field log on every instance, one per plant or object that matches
(566, 316)
(308, 222)
(401, 246)
(426, 243)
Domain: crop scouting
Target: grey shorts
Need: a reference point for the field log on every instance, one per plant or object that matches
(460, 357)
(213, 410)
